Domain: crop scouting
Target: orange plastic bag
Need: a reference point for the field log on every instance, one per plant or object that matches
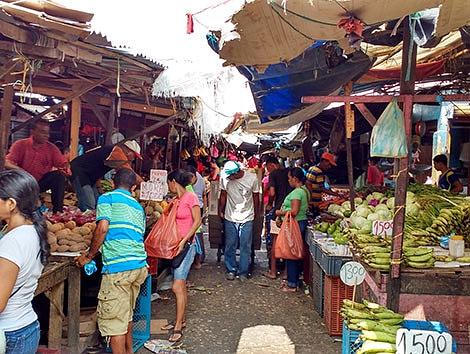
(163, 239)
(289, 243)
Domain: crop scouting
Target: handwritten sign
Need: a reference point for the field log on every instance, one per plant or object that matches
(352, 273)
(413, 341)
(382, 228)
(158, 175)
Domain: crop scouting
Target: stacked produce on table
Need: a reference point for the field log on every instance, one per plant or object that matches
(69, 237)
(153, 210)
(378, 325)
(334, 230)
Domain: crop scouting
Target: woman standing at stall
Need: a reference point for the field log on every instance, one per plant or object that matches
(188, 220)
(23, 253)
(296, 203)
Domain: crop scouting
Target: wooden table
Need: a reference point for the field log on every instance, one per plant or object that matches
(51, 283)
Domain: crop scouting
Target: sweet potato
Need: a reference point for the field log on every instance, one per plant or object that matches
(90, 225)
(54, 247)
(51, 239)
(78, 247)
(75, 237)
(66, 242)
(62, 233)
(56, 227)
(81, 230)
(48, 224)
(71, 225)
(63, 248)
(88, 242)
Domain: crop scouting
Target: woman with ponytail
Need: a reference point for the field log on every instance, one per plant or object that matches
(23, 253)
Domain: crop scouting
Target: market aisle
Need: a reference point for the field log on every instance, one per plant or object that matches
(219, 311)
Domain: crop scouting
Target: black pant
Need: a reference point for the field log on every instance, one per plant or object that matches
(55, 181)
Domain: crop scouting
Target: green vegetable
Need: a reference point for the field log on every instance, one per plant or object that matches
(429, 264)
(378, 336)
(420, 259)
(352, 313)
(417, 251)
(376, 347)
(463, 259)
(388, 315)
(391, 321)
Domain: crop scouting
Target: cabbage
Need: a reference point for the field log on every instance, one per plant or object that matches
(373, 217)
(391, 203)
(377, 195)
(367, 225)
(410, 196)
(412, 209)
(332, 208)
(346, 205)
(381, 207)
(384, 215)
(368, 198)
(362, 211)
(357, 201)
(358, 221)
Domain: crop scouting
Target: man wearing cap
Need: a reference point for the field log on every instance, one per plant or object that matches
(238, 203)
(316, 178)
(90, 167)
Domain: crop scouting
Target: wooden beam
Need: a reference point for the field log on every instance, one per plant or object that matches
(29, 49)
(16, 33)
(75, 121)
(66, 100)
(5, 121)
(151, 128)
(99, 115)
(110, 122)
(349, 128)
(361, 107)
(384, 98)
(407, 87)
(106, 101)
(8, 69)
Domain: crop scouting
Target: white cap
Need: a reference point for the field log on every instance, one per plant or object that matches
(134, 146)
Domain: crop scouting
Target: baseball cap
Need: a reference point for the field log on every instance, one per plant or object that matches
(230, 168)
(329, 157)
(134, 146)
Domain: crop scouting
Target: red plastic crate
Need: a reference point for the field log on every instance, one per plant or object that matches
(335, 291)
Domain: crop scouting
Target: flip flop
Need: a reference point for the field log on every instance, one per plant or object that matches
(178, 333)
(269, 276)
(170, 326)
(287, 289)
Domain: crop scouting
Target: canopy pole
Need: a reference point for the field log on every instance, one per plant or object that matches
(75, 121)
(5, 121)
(349, 125)
(407, 86)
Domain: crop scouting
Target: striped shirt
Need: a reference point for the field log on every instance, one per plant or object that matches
(123, 248)
(315, 183)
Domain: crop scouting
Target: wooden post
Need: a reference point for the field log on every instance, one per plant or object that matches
(75, 127)
(56, 298)
(5, 121)
(73, 313)
(110, 123)
(349, 125)
(407, 85)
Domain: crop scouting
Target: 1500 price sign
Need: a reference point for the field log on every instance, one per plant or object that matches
(411, 341)
(382, 228)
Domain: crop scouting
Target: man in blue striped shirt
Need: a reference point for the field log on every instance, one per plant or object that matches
(120, 237)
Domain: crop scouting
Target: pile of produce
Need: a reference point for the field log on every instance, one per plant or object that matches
(378, 325)
(68, 237)
(334, 230)
(71, 214)
(420, 258)
(153, 210)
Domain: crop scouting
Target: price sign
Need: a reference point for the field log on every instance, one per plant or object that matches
(152, 191)
(382, 228)
(352, 273)
(413, 341)
(158, 175)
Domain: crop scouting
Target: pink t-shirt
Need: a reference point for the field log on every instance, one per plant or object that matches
(184, 216)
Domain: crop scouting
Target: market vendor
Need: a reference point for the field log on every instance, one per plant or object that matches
(43, 160)
(90, 167)
(448, 180)
(316, 179)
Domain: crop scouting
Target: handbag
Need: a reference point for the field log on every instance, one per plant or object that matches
(289, 243)
(176, 262)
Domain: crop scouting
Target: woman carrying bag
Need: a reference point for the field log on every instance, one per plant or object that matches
(296, 204)
(188, 220)
(23, 253)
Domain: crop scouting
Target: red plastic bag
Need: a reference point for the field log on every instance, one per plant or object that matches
(163, 239)
(289, 243)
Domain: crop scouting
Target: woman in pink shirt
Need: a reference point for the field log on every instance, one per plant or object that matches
(188, 221)
(375, 177)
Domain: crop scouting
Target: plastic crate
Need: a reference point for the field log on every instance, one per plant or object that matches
(335, 292)
(316, 286)
(142, 316)
(429, 326)
(350, 340)
(331, 265)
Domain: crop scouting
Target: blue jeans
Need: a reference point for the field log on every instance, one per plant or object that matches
(87, 195)
(294, 267)
(235, 232)
(24, 340)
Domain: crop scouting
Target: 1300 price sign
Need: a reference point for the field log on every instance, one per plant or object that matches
(423, 342)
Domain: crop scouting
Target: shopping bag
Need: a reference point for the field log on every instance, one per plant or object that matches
(289, 243)
(388, 137)
(164, 239)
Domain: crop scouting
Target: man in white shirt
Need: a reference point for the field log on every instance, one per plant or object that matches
(238, 203)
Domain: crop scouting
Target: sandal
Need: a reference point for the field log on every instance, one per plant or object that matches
(170, 326)
(178, 334)
(269, 275)
(287, 289)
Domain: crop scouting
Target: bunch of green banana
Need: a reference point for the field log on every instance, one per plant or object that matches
(378, 325)
(420, 258)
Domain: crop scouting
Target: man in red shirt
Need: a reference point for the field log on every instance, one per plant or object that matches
(39, 157)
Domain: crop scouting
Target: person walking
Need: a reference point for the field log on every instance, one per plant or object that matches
(198, 186)
(188, 221)
(43, 160)
(120, 237)
(23, 254)
(296, 203)
(238, 203)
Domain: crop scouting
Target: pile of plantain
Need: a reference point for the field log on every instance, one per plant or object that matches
(421, 258)
(378, 325)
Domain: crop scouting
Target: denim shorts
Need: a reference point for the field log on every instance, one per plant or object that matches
(181, 273)
(24, 340)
